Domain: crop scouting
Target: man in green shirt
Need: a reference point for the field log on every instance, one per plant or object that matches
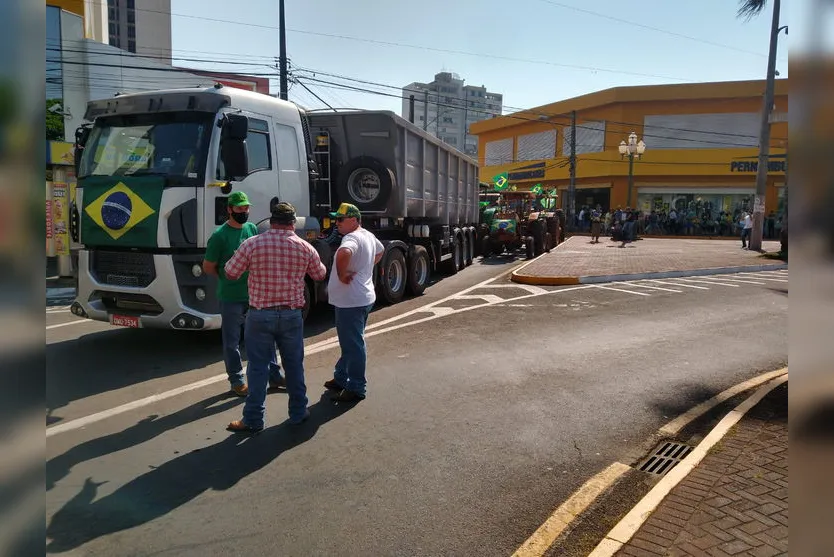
(234, 294)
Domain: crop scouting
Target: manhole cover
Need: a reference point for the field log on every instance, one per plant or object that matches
(665, 457)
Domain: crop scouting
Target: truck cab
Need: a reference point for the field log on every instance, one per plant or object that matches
(154, 173)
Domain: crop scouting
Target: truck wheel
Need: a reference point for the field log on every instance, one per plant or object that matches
(366, 183)
(485, 247)
(469, 254)
(529, 245)
(451, 264)
(460, 253)
(393, 276)
(308, 301)
(419, 271)
(548, 242)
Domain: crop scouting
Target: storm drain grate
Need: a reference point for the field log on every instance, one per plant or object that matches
(665, 457)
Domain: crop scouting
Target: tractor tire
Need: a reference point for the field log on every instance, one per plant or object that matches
(529, 244)
(485, 247)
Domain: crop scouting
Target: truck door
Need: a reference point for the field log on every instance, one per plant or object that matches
(292, 167)
(262, 183)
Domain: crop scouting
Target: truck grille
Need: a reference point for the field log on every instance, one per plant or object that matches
(122, 268)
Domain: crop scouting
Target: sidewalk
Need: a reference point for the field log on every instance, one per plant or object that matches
(735, 501)
(577, 261)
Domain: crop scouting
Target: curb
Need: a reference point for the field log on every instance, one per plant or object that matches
(622, 533)
(593, 279)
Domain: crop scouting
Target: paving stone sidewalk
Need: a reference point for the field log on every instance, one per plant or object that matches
(578, 261)
(735, 502)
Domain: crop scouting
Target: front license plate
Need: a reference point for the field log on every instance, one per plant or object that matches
(125, 321)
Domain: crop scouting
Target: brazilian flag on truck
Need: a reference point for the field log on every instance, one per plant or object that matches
(121, 210)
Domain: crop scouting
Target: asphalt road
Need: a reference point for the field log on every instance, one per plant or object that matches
(485, 411)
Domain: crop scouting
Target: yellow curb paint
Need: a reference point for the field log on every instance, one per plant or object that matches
(543, 281)
(541, 540)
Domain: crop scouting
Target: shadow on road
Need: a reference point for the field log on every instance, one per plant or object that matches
(502, 259)
(59, 467)
(178, 481)
(116, 358)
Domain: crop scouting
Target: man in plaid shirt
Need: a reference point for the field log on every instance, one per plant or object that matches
(277, 261)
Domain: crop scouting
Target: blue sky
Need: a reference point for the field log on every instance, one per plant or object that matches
(558, 49)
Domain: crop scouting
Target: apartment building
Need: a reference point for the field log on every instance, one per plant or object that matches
(446, 107)
(143, 30)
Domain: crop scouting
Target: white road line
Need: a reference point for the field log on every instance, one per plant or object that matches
(743, 281)
(620, 290)
(670, 283)
(631, 523)
(760, 277)
(491, 298)
(654, 287)
(532, 289)
(702, 281)
(68, 323)
(673, 427)
(541, 540)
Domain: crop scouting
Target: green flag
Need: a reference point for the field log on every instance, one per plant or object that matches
(501, 181)
(537, 189)
(121, 210)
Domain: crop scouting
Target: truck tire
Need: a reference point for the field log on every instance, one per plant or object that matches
(308, 300)
(393, 276)
(450, 266)
(529, 244)
(469, 254)
(366, 183)
(419, 271)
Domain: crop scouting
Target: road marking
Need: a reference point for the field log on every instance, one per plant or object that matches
(655, 287)
(68, 323)
(620, 290)
(528, 287)
(702, 281)
(760, 277)
(631, 522)
(491, 298)
(743, 281)
(673, 427)
(670, 283)
(541, 540)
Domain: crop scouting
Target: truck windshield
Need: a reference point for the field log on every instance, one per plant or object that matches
(173, 145)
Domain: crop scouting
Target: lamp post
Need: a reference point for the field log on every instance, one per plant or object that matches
(631, 149)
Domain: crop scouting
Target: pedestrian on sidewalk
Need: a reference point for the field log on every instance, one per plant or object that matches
(629, 229)
(746, 228)
(351, 291)
(233, 295)
(596, 225)
(277, 261)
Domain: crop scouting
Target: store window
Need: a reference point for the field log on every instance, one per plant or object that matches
(706, 213)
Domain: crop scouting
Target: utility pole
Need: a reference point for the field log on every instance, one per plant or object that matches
(282, 59)
(764, 135)
(572, 184)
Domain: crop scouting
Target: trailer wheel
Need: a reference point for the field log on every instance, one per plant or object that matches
(419, 271)
(393, 276)
(469, 251)
(451, 264)
(460, 252)
(366, 183)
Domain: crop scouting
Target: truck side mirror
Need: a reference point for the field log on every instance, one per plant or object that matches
(233, 146)
(81, 136)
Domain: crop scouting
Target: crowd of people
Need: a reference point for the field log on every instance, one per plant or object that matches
(260, 287)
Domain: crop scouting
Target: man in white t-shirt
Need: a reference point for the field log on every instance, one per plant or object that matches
(351, 291)
(747, 224)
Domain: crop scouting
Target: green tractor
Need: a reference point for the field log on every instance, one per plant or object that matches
(499, 232)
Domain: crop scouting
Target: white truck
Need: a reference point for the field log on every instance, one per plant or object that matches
(155, 170)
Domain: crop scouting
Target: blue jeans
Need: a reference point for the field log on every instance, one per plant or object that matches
(233, 316)
(350, 328)
(264, 330)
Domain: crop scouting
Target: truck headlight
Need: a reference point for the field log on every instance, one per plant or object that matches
(196, 270)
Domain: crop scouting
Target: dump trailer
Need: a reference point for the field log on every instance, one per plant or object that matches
(155, 170)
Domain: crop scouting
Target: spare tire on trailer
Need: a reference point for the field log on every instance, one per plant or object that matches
(366, 183)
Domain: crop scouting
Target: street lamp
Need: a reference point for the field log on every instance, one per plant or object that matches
(631, 149)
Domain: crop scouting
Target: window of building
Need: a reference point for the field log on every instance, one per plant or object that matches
(131, 32)
(131, 4)
(114, 41)
(448, 121)
(131, 16)
(131, 46)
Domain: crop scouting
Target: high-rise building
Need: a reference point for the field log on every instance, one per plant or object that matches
(446, 108)
(145, 30)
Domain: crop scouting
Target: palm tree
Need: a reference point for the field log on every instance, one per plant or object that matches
(748, 9)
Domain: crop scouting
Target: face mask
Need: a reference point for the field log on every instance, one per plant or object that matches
(240, 218)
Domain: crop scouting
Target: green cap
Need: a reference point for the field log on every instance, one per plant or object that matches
(346, 210)
(238, 199)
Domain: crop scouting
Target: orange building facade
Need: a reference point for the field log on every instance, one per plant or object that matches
(701, 146)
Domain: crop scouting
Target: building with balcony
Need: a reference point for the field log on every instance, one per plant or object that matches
(701, 146)
(446, 108)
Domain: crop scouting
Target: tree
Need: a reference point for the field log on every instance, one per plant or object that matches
(748, 9)
(54, 122)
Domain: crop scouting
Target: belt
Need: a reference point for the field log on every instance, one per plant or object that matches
(274, 308)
